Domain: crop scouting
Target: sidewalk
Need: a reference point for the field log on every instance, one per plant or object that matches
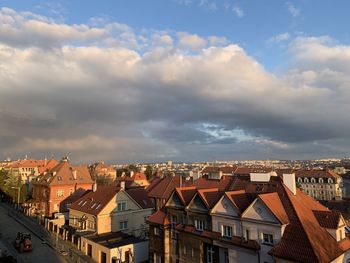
(53, 241)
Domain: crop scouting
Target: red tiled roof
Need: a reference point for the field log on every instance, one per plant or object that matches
(345, 244)
(239, 199)
(328, 219)
(315, 173)
(139, 176)
(210, 196)
(159, 218)
(243, 171)
(141, 197)
(93, 202)
(166, 186)
(186, 194)
(223, 184)
(63, 174)
(302, 238)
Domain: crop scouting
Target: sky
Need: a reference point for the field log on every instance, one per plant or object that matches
(182, 80)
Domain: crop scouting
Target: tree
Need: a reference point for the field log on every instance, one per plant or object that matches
(148, 172)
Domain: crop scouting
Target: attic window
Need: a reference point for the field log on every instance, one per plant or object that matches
(93, 205)
(84, 203)
(97, 207)
(59, 178)
(80, 202)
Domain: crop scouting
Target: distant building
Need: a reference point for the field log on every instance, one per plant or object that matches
(320, 184)
(140, 179)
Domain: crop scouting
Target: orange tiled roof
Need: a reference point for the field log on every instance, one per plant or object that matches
(273, 202)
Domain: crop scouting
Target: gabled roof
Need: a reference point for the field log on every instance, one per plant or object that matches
(186, 194)
(273, 202)
(210, 196)
(166, 186)
(239, 199)
(93, 203)
(139, 177)
(139, 195)
(65, 174)
(328, 219)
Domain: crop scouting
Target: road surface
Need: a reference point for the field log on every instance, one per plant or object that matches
(41, 252)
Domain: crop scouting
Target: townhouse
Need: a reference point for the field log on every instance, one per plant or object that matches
(53, 187)
(111, 223)
(258, 219)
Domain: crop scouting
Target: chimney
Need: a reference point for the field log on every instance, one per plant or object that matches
(122, 185)
(74, 172)
(131, 173)
(289, 181)
(45, 162)
(94, 187)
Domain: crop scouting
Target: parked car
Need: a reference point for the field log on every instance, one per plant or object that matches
(23, 242)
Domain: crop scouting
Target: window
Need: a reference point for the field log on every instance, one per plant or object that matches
(210, 254)
(226, 231)
(192, 252)
(247, 234)
(59, 178)
(306, 180)
(157, 258)
(121, 206)
(185, 251)
(123, 225)
(330, 181)
(300, 180)
(320, 180)
(313, 180)
(199, 224)
(156, 231)
(59, 193)
(267, 239)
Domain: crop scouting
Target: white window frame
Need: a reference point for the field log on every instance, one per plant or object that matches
(121, 206)
(210, 254)
(226, 231)
(123, 225)
(199, 224)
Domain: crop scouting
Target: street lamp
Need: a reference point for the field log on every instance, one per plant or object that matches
(18, 194)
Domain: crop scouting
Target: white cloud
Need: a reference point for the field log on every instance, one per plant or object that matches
(238, 11)
(114, 101)
(293, 10)
(279, 38)
(192, 41)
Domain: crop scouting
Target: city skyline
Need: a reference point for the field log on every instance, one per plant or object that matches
(174, 80)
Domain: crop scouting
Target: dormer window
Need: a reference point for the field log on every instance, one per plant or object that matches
(320, 180)
(313, 180)
(300, 180)
(330, 181)
(59, 178)
(306, 180)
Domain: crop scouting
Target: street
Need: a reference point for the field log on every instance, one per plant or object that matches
(40, 253)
